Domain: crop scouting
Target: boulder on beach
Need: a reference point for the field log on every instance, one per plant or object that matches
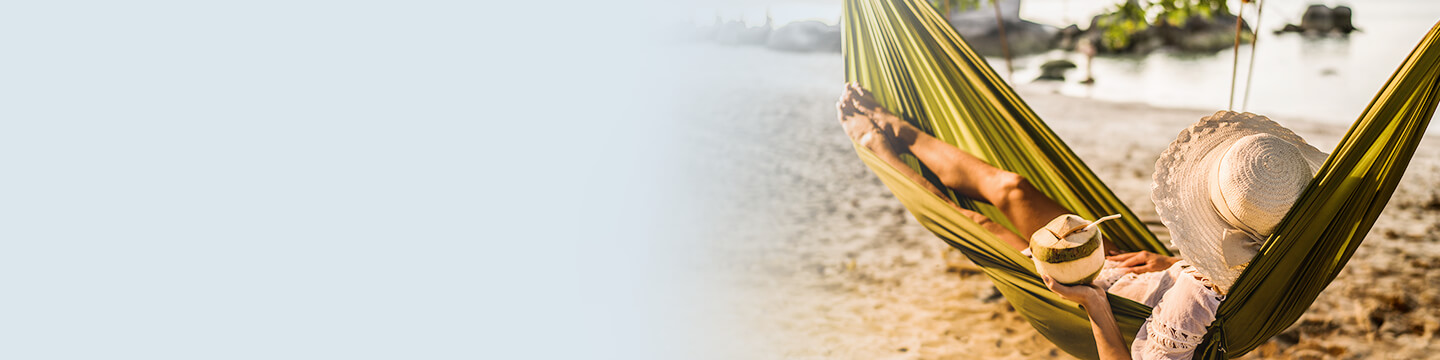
(1342, 16)
(1069, 38)
(805, 36)
(1055, 70)
(980, 28)
(1204, 34)
(1194, 34)
(1318, 18)
(1321, 20)
(1009, 12)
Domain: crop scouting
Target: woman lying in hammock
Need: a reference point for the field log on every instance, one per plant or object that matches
(1222, 187)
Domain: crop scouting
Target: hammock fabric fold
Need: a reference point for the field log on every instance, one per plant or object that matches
(920, 68)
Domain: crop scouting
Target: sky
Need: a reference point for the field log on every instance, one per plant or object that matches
(332, 179)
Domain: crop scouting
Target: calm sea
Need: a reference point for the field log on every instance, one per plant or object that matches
(1324, 79)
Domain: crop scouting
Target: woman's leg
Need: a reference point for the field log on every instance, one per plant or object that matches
(1026, 207)
(866, 133)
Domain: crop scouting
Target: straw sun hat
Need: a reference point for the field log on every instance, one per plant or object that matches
(1223, 186)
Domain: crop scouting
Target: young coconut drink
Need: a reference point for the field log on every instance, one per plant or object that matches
(1068, 249)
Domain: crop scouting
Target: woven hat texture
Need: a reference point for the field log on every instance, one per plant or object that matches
(1229, 179)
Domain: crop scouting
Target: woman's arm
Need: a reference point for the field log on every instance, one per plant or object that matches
(1140, 262)
(1102, 321)
(1103, 325)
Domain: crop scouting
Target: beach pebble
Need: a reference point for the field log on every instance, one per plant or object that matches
(989, 295)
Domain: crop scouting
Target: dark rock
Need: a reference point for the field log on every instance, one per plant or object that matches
(805, 36)
(1055, 70)
(985, 14)
(1195, 34)
(982, 32)
(1321, 20)
(1318, 19)
(1022, 37)
(1288, 338)
(1069, 37)
(1057, 64)
(1204, 35)
(1341, 18)
(989, 295)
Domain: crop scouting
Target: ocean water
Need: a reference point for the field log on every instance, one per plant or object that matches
(1323, 79)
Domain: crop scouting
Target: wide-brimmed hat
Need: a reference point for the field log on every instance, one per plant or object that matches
(1223, 186)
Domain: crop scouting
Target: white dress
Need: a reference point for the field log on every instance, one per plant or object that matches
(1183, 308)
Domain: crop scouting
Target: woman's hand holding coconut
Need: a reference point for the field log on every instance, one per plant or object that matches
(1069, 247)
(1083, 294)
(1102, 322)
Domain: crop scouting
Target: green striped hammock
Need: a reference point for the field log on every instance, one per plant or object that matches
(920, 68)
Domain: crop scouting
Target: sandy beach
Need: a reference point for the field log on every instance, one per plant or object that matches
(824, 262)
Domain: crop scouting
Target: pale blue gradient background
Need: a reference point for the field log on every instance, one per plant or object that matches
(340, 180)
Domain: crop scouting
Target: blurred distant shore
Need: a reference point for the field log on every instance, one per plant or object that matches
(1327, 76)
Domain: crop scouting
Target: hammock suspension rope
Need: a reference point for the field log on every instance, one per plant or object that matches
(1235, 65)
(1254, 48)
(1004, 44)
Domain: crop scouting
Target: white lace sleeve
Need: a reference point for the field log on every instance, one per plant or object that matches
(1109, 274)
(1177, 324)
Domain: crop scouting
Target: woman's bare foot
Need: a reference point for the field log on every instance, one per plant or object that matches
(862, 129)
(863, 99)
(864, 102)
(858, 110)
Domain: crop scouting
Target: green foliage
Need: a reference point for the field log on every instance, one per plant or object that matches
(946, 6)
(1132, 16)
(1175, 12)
(1121, 24)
